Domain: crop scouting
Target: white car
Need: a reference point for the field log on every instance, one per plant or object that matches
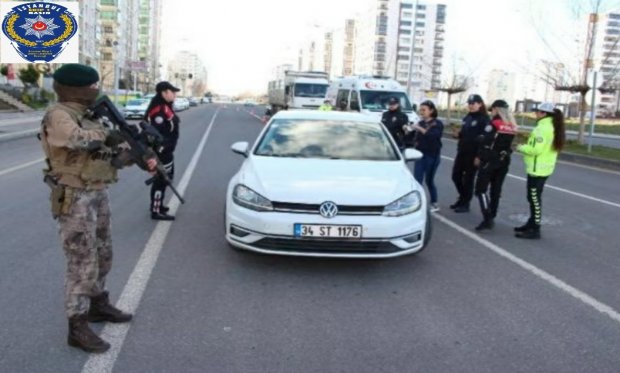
(136, 108)
(326, 184)
(180, 104)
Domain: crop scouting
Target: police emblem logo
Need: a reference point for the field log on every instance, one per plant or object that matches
(39, 31)
(474, 123)
(488, 128)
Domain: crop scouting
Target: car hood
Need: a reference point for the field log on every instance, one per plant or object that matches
(315, 181)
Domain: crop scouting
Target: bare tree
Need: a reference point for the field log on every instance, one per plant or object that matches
(457, 82)
(568, 81)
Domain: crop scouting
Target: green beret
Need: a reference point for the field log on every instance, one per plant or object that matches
(76, 75)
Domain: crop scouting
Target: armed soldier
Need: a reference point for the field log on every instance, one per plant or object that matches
(80, 153)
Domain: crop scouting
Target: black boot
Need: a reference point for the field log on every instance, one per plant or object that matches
(456, 204)
(486, 224)
(81, 336)
(161, 216)
(101, 310)
(524, 227)
(464, 207)
(532, 233)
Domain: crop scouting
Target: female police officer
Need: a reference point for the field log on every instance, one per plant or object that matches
(161, 116)
(493, 160)
(540, 154)
(464, 170)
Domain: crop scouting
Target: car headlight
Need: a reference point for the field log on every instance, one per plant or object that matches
(246, 197)
(407, 204)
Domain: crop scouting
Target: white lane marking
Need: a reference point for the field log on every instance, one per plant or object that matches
(574, 292)
(576, 194)
(254, 115)
(19, 167)
(134, 289)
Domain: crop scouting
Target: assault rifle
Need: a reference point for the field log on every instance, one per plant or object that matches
(142, 142)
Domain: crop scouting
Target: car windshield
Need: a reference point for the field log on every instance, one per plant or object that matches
(310, 90)
(324, 139)
(136, 102)
(379, 100)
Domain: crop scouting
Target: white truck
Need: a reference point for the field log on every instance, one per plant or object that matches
(298, 90)
(370, 94)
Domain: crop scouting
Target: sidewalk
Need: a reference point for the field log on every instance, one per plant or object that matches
(16, 125)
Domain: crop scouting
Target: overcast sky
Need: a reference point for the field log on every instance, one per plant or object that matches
(240, 41)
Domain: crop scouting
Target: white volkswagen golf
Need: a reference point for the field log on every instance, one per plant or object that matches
(326, 184)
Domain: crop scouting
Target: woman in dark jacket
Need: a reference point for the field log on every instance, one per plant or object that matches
(428, 134)
(464, 171)
(160, 115)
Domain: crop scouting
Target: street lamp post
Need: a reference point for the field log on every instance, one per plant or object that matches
(592, 110)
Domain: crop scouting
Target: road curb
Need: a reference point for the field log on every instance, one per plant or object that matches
(590, 161)
(18, 135)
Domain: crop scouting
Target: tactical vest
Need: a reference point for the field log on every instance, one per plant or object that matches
(77, 167)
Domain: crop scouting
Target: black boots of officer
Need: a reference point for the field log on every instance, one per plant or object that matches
(82, 337)
(101, 310)
(158, 210)
(529, 230)
(460, 206)
(489, 210)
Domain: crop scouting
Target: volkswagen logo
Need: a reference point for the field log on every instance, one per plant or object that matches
(328, 210)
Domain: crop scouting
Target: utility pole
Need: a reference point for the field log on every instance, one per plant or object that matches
(592, 110)
(411, 54)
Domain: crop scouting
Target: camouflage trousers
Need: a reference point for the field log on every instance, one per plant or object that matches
(86, 239)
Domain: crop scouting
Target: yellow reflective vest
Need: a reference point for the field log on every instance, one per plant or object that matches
(538, 153)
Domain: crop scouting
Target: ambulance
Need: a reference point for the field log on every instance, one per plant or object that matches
(370, 95)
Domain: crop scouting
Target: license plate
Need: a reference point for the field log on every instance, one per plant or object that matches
(328, 231)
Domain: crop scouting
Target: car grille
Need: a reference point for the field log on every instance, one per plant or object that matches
(326, 246)
(302, 208)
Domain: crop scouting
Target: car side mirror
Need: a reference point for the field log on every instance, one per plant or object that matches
(412, 155)
(240, 147)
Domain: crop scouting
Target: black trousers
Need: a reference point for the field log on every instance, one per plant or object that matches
(463, 176)
(158, 188)
(535, 185)
(491, 174)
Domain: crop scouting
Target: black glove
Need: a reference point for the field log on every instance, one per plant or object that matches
(114, 138)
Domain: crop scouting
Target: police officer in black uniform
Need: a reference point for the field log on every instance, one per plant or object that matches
(395, 120)
(161, 115)
(494, 160)
(464, 170)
